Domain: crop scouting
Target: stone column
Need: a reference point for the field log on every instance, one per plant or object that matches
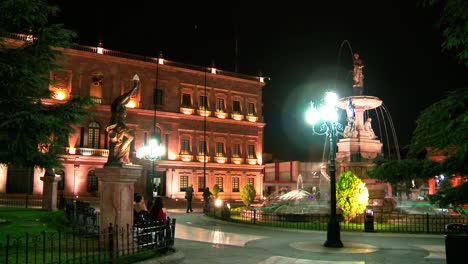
(49, 194)
(116, 199)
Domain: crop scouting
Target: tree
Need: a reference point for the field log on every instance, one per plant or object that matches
(32, 132)
(440, 129)
(453, 23)
(352, 195)
(216, 190)
(248, 194)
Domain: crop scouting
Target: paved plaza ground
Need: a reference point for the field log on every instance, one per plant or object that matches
(201, 239)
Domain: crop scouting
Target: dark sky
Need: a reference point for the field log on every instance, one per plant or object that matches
(301, 45)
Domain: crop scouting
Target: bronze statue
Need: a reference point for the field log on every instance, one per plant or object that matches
(119, 134)
(358, 77)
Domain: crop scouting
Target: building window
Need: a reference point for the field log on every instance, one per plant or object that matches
(201, 147)
(219, 104)
(185, 146)
(235, 184)
(251, 181)
(219, 149)
(251, 109)
(92, 184)
(186, 100)
(251, 152)
(183, 183)
(203, 102)
(201, 183)
(158, 97)
(219, 182)
(236, 107)
(236, 150)
(93, 135)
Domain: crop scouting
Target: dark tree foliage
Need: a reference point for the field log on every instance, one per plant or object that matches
(453, 23)
(33, 133)
(441, 129)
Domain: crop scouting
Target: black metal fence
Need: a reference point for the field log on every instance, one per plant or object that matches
(20, 200)
(382, 222)
(86, 243)
(109, 245)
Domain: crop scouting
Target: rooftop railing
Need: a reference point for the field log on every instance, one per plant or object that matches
(103, 51)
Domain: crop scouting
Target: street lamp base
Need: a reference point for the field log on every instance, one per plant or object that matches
(333, 235)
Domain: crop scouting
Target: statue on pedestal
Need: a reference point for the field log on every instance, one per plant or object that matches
(358, 76)
(119, 134)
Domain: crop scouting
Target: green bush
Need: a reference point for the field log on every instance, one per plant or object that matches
(216, 190)
(352, 195)
(248, 194)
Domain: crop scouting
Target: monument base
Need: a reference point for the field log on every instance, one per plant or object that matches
(116, 200)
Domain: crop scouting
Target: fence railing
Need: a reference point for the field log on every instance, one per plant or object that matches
(21, 200)
(108, 246)
(382, 222)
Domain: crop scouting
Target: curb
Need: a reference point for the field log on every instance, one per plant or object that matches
(168, 258)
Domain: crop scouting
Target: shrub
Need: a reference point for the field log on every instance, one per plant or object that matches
(216, 190)
(248, 194)
(352, 195)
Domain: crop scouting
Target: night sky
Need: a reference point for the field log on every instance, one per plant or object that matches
(301, 45)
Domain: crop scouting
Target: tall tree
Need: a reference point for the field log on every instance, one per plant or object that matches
(33, 133)
(453, 23)
(440, 130)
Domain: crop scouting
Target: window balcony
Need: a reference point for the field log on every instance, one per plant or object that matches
(221, 114)
(88, 152)
(251, 118)
(204, 112)
(221, 159)
(237, 116)
(187, 110)
(202, 158)
(237, 160)
(186, 157)
(252, 161)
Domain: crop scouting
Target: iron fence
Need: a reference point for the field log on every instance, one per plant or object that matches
(382, 222)
(20, 200)
(108, 246)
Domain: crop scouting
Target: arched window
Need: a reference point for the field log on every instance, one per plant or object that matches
(92, 184)
(93, 135)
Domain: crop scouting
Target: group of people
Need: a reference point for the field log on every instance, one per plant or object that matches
(156, 213)
(189, 197)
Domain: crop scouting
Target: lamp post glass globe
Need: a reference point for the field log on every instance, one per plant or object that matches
(329, 116)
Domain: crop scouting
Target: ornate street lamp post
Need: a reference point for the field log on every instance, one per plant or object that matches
(326, 120)
(152, 150)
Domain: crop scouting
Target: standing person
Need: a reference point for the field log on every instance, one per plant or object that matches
(189, 196)
(206, 199)
(157, 212)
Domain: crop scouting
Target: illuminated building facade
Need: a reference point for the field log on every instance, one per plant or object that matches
(209, 121)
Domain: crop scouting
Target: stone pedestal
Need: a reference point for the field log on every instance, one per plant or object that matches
(116, 200)
(49, 193)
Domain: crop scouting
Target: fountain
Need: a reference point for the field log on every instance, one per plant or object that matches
(298, 202)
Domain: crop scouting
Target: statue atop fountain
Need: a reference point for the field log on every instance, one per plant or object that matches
(358, 76)
(359, 146)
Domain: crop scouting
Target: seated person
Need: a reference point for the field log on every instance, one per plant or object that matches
(140, 212)
(157, 212)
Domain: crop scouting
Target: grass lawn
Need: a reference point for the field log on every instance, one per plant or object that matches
(19, 221)
(16, 222)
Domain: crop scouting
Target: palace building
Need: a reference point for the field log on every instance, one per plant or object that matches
(209, 123)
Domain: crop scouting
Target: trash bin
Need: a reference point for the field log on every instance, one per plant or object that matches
(455, 242)
(369, 220)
